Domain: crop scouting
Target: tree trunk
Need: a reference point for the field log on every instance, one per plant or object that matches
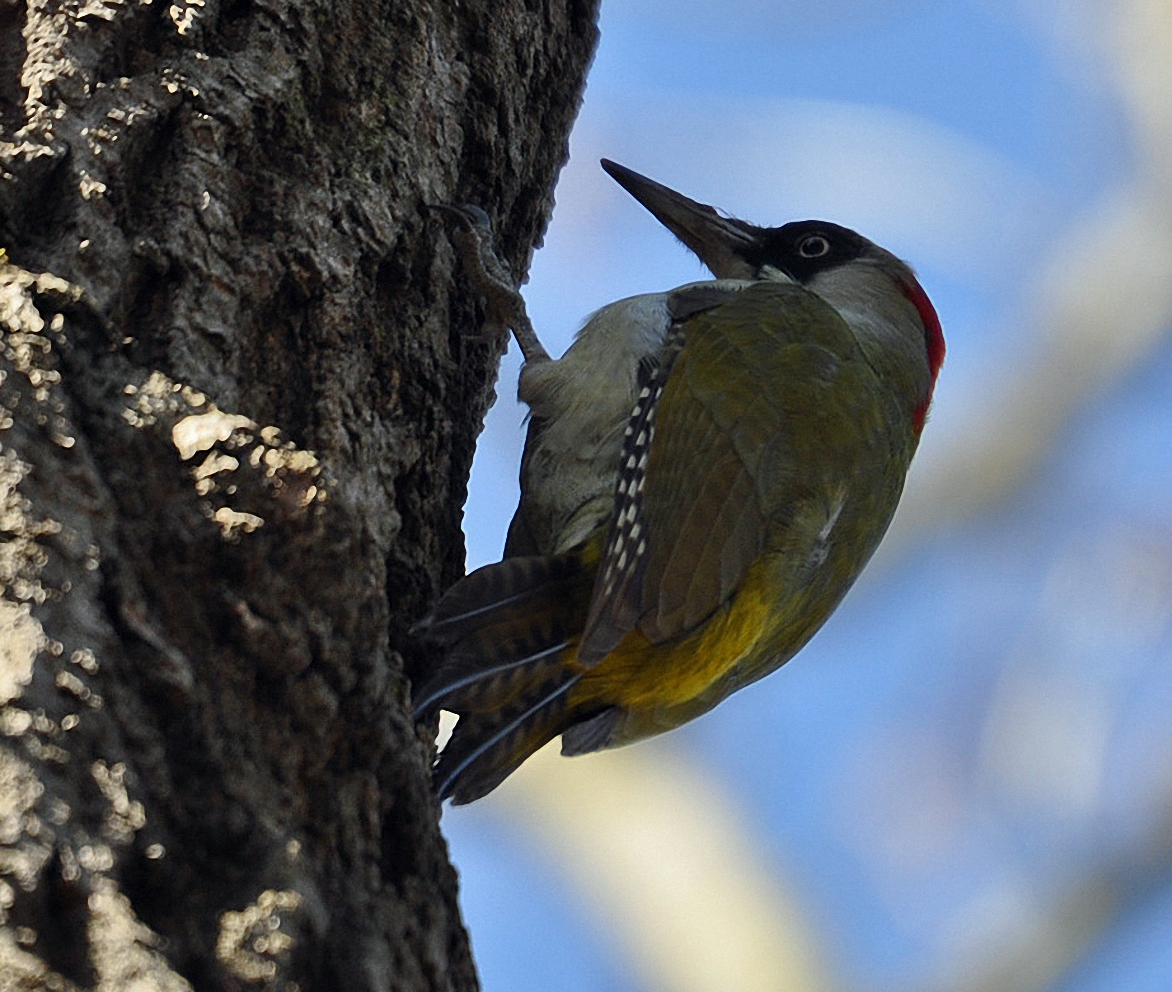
(240, 386)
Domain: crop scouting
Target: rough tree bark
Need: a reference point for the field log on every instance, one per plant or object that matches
(240, 390)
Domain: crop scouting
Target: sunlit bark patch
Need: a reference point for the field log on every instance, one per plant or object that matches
(251, 941)
(244, 473)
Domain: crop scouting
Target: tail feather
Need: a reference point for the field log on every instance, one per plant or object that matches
(506, 635)
(483, 596)
(485, 749)
(499, 629)
(464, 685)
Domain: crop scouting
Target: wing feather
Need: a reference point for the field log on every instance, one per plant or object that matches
(724, 463)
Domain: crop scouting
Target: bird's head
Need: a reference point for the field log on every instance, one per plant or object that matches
(829, 259)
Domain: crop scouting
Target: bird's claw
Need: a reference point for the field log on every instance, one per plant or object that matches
(469, 215)
(473, 239)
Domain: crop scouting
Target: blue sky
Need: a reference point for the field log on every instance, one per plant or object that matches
(979, 737)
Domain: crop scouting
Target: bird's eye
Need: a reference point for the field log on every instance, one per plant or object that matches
(815, 246)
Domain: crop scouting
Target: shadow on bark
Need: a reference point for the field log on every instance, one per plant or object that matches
(240, 391)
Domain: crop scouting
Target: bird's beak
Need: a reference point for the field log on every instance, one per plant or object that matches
(719, 242)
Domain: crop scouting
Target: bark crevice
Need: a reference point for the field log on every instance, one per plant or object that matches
(241, 388)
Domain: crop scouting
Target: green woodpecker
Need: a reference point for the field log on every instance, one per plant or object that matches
(706, 472)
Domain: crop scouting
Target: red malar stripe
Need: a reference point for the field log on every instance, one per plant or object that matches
(933, 341)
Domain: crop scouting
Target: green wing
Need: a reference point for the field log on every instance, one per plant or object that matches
(746, 437)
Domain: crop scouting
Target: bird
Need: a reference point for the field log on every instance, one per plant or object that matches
(706, 472)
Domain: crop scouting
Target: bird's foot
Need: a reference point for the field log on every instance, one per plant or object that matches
(473, 238)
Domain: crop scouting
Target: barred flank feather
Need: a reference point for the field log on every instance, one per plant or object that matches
(505, 632)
